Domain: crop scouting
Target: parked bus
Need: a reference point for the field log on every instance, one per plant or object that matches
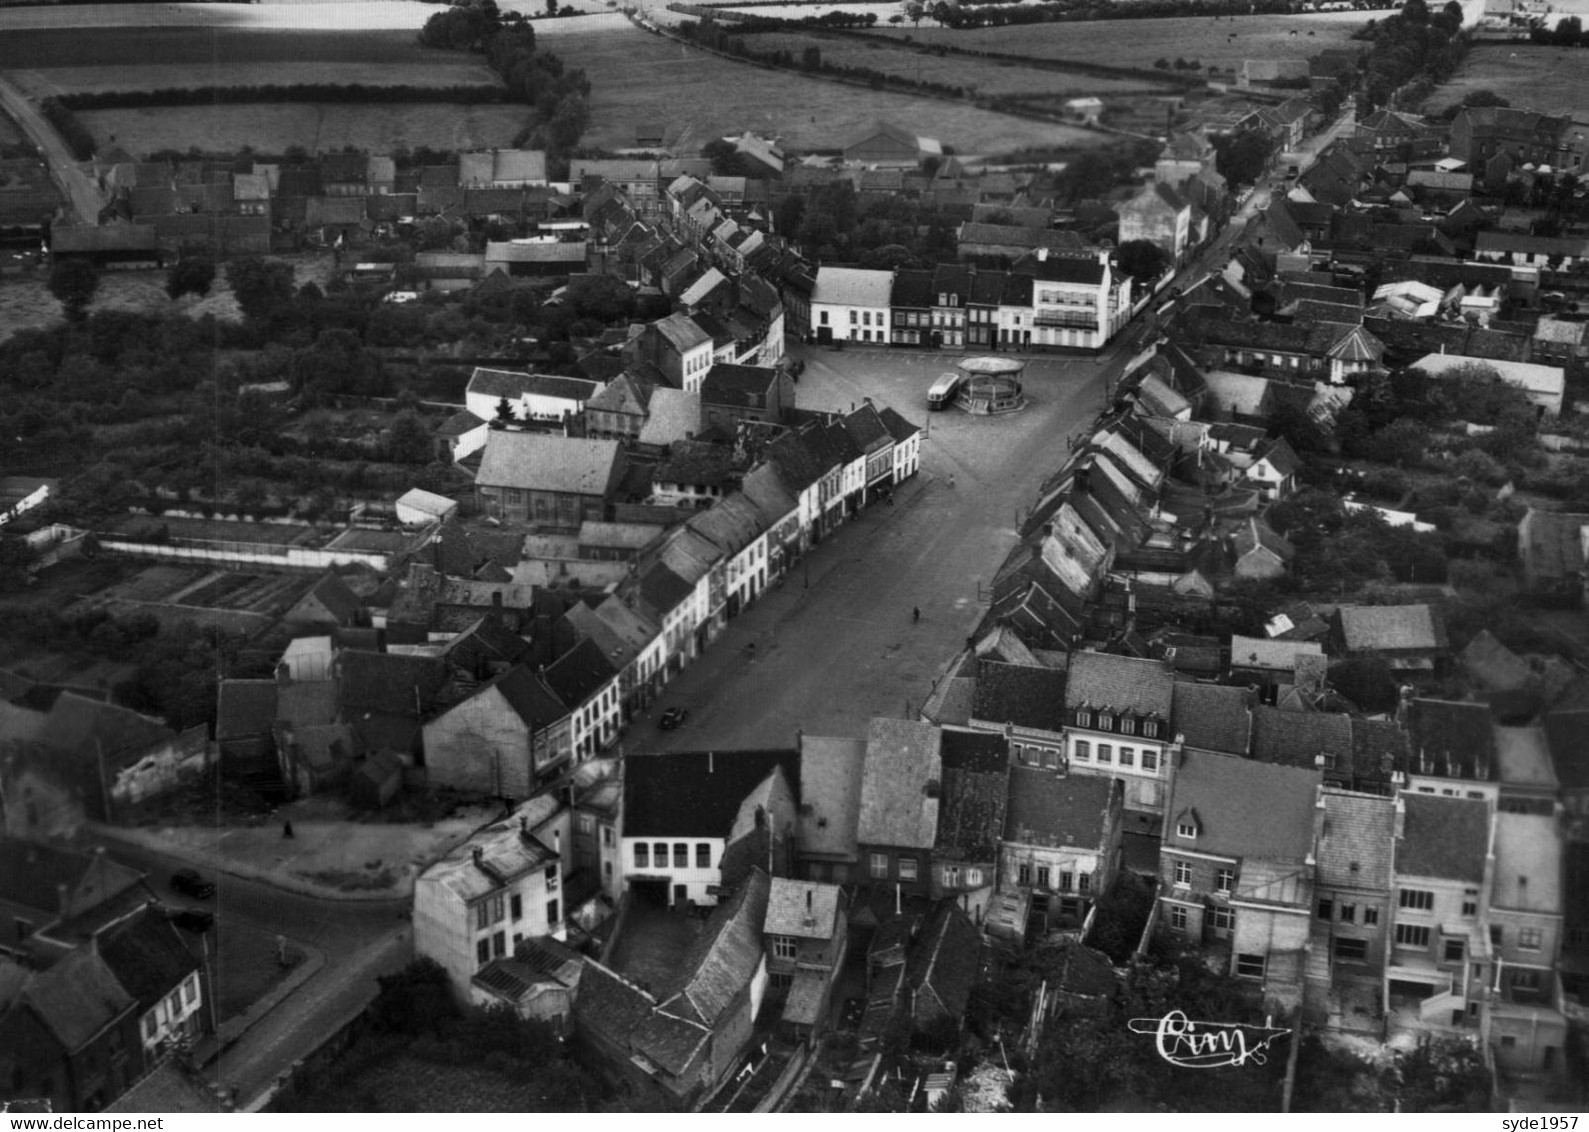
(943, 390)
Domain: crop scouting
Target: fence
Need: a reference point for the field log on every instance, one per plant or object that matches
(249, 554)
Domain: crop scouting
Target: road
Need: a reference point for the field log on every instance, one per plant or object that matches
(83, 197)
(359, 939)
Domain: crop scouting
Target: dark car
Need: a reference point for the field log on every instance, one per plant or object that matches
(854, 1011)
(195, 920)
(673, 717)
(189, 883)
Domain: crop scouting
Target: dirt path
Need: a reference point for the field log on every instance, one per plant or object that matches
(77, 187)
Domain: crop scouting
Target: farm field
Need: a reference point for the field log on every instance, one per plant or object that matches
(984, 76)
(1548, 79)
(1138, 43)
(323, 126)
(58, 60)
(636, 77)
(329, 15)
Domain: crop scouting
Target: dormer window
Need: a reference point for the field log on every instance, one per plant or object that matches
(1106, 722)
(1187, 830)
(1128, 726)
(1150, 728)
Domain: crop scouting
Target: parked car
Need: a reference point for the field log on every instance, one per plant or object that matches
(195, 920)
(189, 883)
(673, 717)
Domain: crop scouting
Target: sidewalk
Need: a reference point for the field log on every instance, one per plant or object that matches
(325, 857)
(209, 1048)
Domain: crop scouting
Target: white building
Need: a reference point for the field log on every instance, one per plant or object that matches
(530, 396)
(502, 885)
(851, 304)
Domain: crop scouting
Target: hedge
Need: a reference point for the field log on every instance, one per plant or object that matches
(294, 92)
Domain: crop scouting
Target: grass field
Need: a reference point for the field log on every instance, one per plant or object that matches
(984, 76)
(1548, 79)
(1138, 43)
(272, 128)
(636, 78)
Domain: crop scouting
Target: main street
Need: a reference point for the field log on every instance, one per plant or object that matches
(82, 194)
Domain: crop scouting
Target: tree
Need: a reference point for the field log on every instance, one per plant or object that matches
(409, 440)
(73, 282)
(811, 59)
(261, 286)
(190, 276)
(914, 11)
(1143, 260)
(551, 7)
(1241, 158)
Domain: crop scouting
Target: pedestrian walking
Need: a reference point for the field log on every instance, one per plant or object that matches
(915, 613)
(286, 830)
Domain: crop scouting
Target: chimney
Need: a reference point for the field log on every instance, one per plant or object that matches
(1042, 255)
(1399, 828)
(283, 673)
(477, 854)
(897, 900)
(710, 763)
(524, 825)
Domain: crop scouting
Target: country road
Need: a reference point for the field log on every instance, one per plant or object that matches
(83, 197)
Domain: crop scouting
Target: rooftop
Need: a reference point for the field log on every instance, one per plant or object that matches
(697, 793)
(1241, 808)
(1443, 838)
(901, 784)
(1057, 810)
(1354, 847)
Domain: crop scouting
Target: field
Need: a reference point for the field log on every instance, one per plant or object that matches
(984, 76)
(324, 126)
(1138, 43)
(1547, 79)
(639, 78)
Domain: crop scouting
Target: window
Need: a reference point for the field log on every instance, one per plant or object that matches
(551, 878)
(1250, 966)
(703, 855)
(1453, 952)
(1150, 728)
(1084, 719)
(482, 915)
(1023, 876)
(482, 952)
(1183, 872)
(973, 878)
(516, 906)
(190, 989)
(1497, 935)
(1222, 919)
(1370, 916)
(951, 876)
(852, 318)
(642, 855)
(1416, 899)
(880, 866)
(150, 1026)
(1106, 722)
(1186, 829)
(783, 947)
(1050, 758)
(499, 944)
(1083, 882)
(1224, 879)
(1177, 918)
(1042, 876)
(1326, 908)
(551, 914)
(1128, 726)
(907, 868)
(587, 824)
(1348, 913)
(681, 855)
(1128, 757)
(1412, 935)
(606, 836)
(1150, 761)
(1351, 948)
(1106, 753)
(1083, 750)
(659, 850)
(1470, 906)
(1530, 939)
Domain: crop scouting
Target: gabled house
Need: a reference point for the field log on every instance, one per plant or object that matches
(1450, 749)
(806, 936)
(1025, 703)
(1274, 469)
(1353, 836)
(1119, 710)
(502, 886)
(585, 681)
(1406, 637)
(901, 788)
(831, 773)
(941, 970)
(554, 481)
(1237, 866)
(540, 980)
(1436, 974)
(529, 396)
(1214, 717)
(965, 853)
(1061, 843)
(148, 957)
(505, 738)
(851, 304)
(1525, 1028)
(682, 811)
(731, 394)
(1160, 216)
(69, 1034)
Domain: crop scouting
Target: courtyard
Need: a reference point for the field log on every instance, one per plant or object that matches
(835, 643)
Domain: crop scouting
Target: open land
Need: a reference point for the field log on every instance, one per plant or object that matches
(637, 77)
(1138, 43)
(316, 126)
(1548, 79)
(985, 76)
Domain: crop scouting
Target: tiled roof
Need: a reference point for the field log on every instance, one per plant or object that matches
(1025, 695)
(975, 788)
(1258, 652)
(1450, 738)
(389, 682)
(545, 462)
(1123, 683)
(1354, 849)
(1057, 810)
(579, 673)
(1242, 808)
(1391, 627)
(1299, 738)
(77, 997)
(900, 784)
(32, 874)
(695, 793)
(723, 959)
(803, 908)
(1443, 837)
(1528, 860)
(147, 956)
(78, 723)
(944, 965)
(851, 286)
(1213, 717)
